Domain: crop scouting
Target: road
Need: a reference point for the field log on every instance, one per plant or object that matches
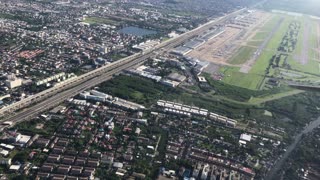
(33, 106)
(272, 174)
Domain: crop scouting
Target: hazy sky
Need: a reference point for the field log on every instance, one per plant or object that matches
(303, 6)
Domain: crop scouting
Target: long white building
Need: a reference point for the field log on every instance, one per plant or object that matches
(102, 97)
(185, 110)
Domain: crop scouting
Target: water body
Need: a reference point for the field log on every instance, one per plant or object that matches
(137, 31)
(309, 128)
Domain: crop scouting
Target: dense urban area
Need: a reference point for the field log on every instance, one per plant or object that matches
(159, 89)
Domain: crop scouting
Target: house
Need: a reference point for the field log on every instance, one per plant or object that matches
(117, 165)
(5, 161)
(4, 153)
(89, 172)
(81, 161)
(72, 178)
(42, 142)
(42, 175)
(58, 149)
(24, 139)
(58, 177)
(7, 146)
(63, 169)
(46, 167)
(127, 157)
(139, 175)
(245, 137)
(68, 160)
(53, 158)
(107, 159)
(84, 154)
(97, 155)
(93, 163)
(76, 170)
(63, 142)
(14, 167)
(71, 152)
(34, 138)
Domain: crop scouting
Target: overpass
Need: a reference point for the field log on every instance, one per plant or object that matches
(33, 105)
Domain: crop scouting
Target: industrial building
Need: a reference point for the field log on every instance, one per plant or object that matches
(177, 77)
(144, 74)
(181, 50)
(193, 44)
(146, 45)
(170, 83)
(212, 34)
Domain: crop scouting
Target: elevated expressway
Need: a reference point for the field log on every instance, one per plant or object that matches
(33, 105)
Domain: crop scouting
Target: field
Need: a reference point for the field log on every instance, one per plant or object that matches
(242, 55)
(282, 43)
(252, 80)
(234, 77)
(100, 20)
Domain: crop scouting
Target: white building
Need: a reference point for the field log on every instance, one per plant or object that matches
(13, 81)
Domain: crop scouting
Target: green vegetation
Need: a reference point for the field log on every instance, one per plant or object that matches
(21, 156)
(289, 40)
(100, 20)
(270, 24)
(294, 60)
(300, 108)
(117, 56)
(26, 18)
(7, 16)
(312, 66)
(278, 36)
(283, 51)
(232, 101)
(260, 36)
(306, 153)
(29, 127)
(254, 43)
(263, 99)
(252, 80)
(236, 78)
(261, 64)
(136, 89)
(242, 55)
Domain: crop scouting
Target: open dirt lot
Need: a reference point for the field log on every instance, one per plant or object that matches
(212, 50)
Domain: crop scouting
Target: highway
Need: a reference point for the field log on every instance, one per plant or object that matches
(34, 105)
